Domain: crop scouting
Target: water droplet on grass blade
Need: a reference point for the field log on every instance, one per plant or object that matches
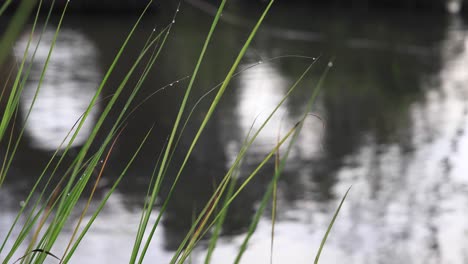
(330, 64)
(22, 203)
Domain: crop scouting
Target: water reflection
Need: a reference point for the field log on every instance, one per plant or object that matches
(108, 241)
(69, 84)
(260, 91)
(395, 130)
(408, 206)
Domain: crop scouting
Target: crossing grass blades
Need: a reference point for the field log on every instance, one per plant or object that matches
(50, 211)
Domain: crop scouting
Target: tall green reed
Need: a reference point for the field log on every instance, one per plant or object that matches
(50, 213)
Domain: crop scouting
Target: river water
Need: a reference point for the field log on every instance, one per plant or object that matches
(390, 121)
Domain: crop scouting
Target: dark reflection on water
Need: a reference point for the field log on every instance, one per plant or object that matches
(394, 107)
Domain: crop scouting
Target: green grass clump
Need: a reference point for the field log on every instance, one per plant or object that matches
(51, 210)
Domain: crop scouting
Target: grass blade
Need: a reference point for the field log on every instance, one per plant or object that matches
(274, 201)
(16, 24)
(324, 239)
(170, 143)
(4, 6)
(101, 205)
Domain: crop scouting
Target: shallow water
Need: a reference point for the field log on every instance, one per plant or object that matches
(394, 108)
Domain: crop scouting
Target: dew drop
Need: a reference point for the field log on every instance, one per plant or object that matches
(154, 29)
(170, 84)
(330, 64)
(173, 21)
(68, 194)
(101, 161)
(260, 62)
(314, 58)
(22, 203)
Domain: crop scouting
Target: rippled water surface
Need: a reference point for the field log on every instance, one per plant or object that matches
(390, 121)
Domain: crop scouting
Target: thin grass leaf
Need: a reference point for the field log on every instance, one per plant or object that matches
(243, 151)
(32, 219)
(145, 72)
(49, 204)
(16, 24)
(146, 205)
(68, 197)
(194, 107)
(170, 142)
(7, 81)
(5, 169)
(74, 195)
(137, 87)
(274, 201)
(212, 107)
(10, 141)
(19, 86)
(111, 103)
(64, 207)
(219, 223)
(4, 6)
(196, 237)
(324, 239)
(210, 91)
(270, 188)
(15, 92)
(230, 191)
(85, 210)
(266, 197)
(64, 140)
(104, 201)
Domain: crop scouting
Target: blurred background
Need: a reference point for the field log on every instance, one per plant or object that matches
(394, 106)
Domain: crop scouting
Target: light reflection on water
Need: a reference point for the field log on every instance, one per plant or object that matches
(408, 203)
(108, 241)
(261, 89)
(412, 207)
(69, 84)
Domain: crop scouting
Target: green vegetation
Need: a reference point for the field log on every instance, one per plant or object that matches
(52, 205)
